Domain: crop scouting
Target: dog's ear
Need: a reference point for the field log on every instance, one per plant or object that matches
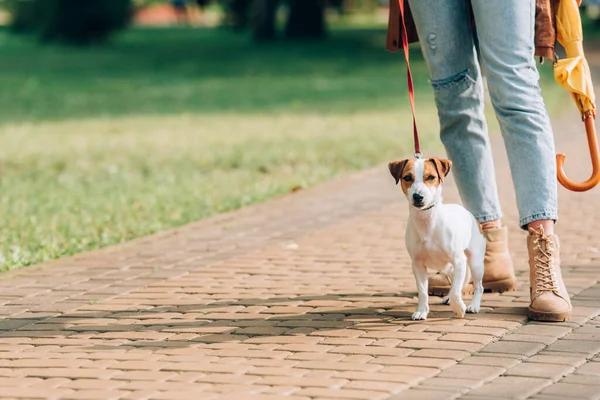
(442, 167)
(396, 169)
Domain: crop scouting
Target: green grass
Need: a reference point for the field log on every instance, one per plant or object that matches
(164, 127)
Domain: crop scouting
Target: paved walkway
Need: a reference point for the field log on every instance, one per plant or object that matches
(308, 296)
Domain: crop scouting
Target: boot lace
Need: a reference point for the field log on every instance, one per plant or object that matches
(544, 265)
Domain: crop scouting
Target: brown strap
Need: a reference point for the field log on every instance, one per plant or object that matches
(411, 89)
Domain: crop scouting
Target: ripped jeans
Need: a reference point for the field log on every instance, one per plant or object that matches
(504, 36)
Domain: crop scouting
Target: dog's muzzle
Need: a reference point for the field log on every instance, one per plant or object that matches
(418, 200)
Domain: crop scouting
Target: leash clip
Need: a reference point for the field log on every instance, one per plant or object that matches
(418, 156)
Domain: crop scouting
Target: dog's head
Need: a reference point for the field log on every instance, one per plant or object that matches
(421, 179)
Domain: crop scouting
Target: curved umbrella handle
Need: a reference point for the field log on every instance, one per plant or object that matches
(594, 179)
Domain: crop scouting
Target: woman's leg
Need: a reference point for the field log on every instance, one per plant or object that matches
(505, 30)
(447, 43)
(448, 46)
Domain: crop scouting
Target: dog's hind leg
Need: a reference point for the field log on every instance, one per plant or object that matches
(475, 260)
(460, 271)
(449, 272)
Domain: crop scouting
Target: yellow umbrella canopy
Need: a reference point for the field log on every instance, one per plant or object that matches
(573, 73)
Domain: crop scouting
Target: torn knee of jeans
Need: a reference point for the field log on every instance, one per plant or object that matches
(431, 41)
(456, 80)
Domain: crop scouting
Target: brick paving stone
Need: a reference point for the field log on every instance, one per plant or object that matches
(339, 366)
(511, 387)
(540, 370)
(386, 343)
(92, 384)
(543, 330)
(390, 387)
(272, 371)
(67, 373)
(479, 372)
(517, 337)
(583, 336)
(95, 394)
(303, 348)
(372, 350)
(572, 391)
(440, 363)
(573, 346)
(206, 367)
(581, 380)
(510, 347)
(465, 337)
(139, 395)
(344, 393)
(142, 375)
(310, 356)
(449, 354)
(424, 394)
(348, 342)
(504, 362)
(228, 378)
(29, 393)
(357, 358)
(402, 335)
(411, 370)
(589, 369)
(303, 382)
(183, 395)
(163, 386)
(385, 376)
(494, 323)
(558, 359)
(441, 382)
(440, 344)
(244, 396)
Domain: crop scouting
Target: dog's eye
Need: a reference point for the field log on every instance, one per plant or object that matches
(430, 177)
(407, 178)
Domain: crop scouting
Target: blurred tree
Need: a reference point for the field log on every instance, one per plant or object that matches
(22, 15)
(236, 13)
(70, 21)
(306, 19)
(262, 16)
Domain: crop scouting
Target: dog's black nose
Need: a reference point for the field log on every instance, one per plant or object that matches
(417, 198)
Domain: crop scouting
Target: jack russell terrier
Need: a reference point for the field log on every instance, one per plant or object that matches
(439, 235)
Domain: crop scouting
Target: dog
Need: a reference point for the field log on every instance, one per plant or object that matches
(439, 236)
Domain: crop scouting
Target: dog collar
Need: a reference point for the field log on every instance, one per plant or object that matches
(430, 207)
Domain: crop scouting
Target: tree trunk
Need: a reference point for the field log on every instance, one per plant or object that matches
(238, 14)
(306, 19)
(263, 19)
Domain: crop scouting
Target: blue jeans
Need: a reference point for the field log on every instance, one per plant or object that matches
(504, 35)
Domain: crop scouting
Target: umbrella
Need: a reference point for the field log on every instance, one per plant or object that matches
(573, 73)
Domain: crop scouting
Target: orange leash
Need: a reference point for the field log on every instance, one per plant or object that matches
(411, 88)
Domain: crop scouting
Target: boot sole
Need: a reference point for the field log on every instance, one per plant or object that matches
(505, 285)
(549, 316)
(444, 290)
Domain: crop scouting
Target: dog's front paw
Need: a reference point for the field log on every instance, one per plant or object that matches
(473, 308)
(458, 307)
(419, 316)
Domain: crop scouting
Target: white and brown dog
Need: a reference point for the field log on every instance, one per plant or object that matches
(439, 235)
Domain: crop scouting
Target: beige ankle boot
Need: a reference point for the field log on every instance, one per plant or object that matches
(499, 272)
(549, 297)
